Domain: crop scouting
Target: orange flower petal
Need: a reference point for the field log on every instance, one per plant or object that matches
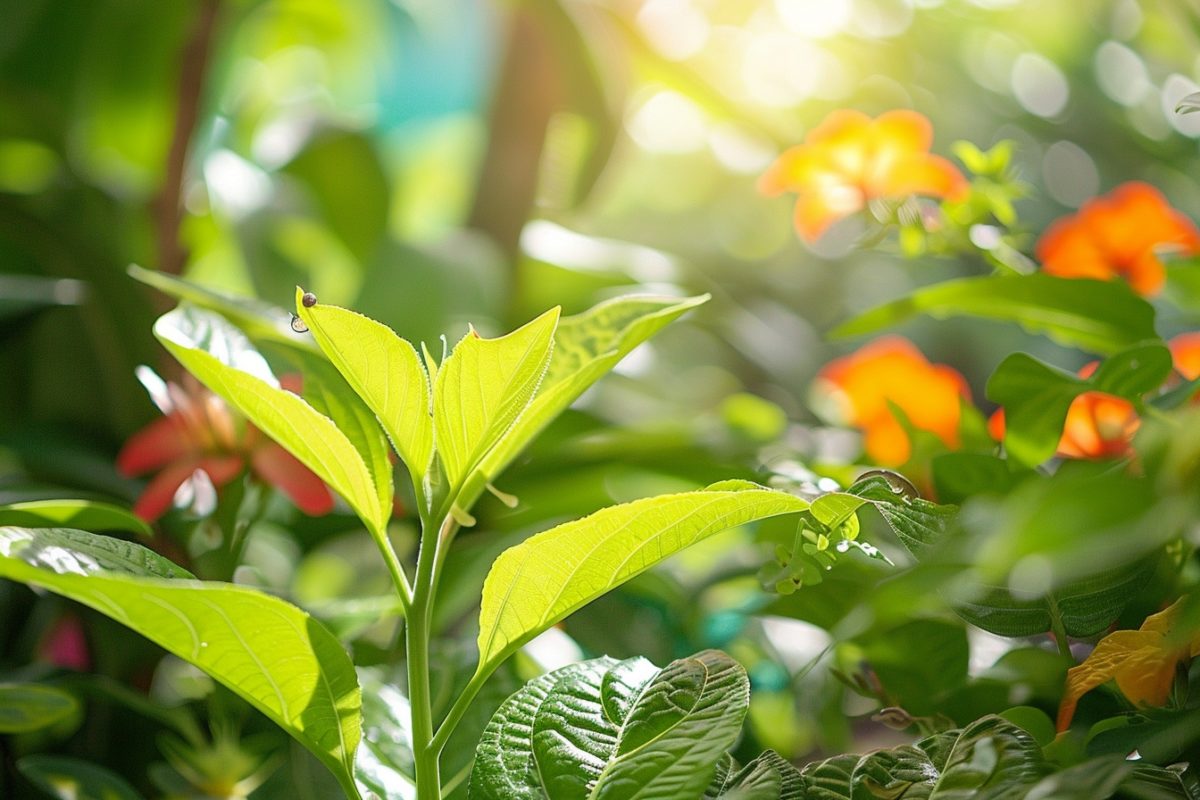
(1185, 352)
(818, 209)
(162, 441)
(160, 492)
(280, 468)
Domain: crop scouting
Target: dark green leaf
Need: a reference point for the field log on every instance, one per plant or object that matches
(27, 707)
(71, 779)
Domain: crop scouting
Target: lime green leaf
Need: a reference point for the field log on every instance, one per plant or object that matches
(72, 779)
(1098, 316)
(1037, 396)
(586, 347)
(384, 370)
(272, 654)
(224, 361)
(482, 388)
(554, 573)
(27, 707)
(83, 514)
(605, 729)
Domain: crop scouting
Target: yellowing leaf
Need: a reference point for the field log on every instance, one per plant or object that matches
(384, 370)
(1141, 662)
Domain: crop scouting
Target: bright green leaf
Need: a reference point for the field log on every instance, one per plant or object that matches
(386, 372)
(223, 360)
(72, 779)
(27, 707)
(1098, 316)
(82, 514)
(69, 550)
(586, 347)
(482, 388)
(554, 573)
(270, 653)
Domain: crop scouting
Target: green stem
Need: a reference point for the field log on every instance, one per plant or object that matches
(425, 757)
(455, 715)
(1059, 630)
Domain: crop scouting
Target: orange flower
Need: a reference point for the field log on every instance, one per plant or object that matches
(850, 159)
(1098, 425)
(1118, 236)
(1185, 352)
(863, 386)
(1142, 663)
(200, 433)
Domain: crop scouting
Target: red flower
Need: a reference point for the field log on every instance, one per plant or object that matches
(1098, 425)
(863, 387)
(850, 159)
(1118, 235)
(200, 433)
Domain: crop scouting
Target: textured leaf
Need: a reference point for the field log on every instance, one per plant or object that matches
(67, 550)
(81, 514)
(1098, 316)
(386, 372)
(384, 761)
(272, 654)
(554, 573)
(27, 707)
(1092, 780)
(71, 779)
(682, 723)
(603, 729)
(828, 779)
(768, 777)
(482, 388)
(221, 357)
(1037, 396)
(1149, 782)
(586, 347)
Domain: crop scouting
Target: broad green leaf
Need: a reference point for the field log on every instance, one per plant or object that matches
(261, 321)
(990, 759)
(82, 514)
(606, 729)
(221, 358)
(677, 731)
(1149, 782)
(27, 707)
(386, 372)
(1037, 396)
(1096, 779)
(768, 777)
(586, 347)
(72, 779)
(481, 389)
(384, 762)
(1098, 316)
(828, 779)
(554, 573)
(272, 654)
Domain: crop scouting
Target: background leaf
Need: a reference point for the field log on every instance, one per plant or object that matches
(72, 779)
(83, 514)
(28, 707)
(1098, 316)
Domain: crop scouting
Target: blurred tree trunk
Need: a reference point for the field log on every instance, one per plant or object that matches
(528, 91)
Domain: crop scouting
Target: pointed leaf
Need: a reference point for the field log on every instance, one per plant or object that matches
(222, 359)
(554, 573)
(72, 779)
(27, 707)
(269, 652)
(384, 370)
(482, 388)
(82, 514)
(586, 347)
(1098, 316)
(68, 550)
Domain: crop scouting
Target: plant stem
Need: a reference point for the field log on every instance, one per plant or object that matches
(455, 715)
(1059, 630)
(425, 757)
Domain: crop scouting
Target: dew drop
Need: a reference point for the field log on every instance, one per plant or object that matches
(308, 300)
(298, 325)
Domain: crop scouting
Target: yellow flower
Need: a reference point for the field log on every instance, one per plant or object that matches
(1141, 662)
